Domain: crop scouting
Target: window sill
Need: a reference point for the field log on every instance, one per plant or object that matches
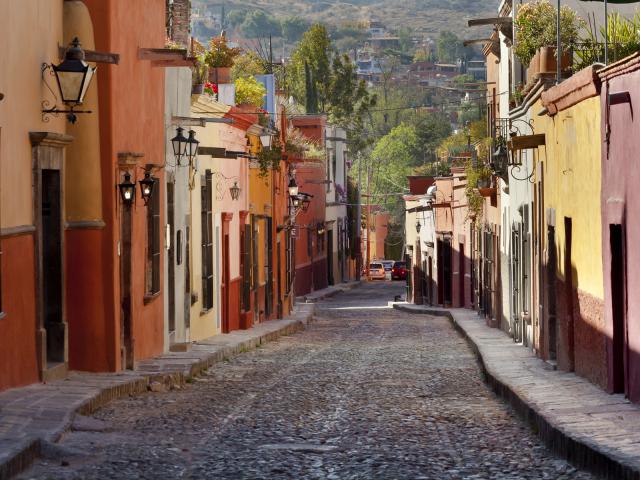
(150, 297)
(204, 312)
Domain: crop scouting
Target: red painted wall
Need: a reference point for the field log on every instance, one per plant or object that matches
(86, 295)
(18, 364)
(621, 205)
(235, 287)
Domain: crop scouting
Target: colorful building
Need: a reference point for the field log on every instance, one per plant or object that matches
(620, 198)
(569, 172)
(33, 338)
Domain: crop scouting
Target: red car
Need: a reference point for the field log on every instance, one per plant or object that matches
(399, 271)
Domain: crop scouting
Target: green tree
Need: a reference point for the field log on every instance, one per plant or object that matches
(248, 64)
(449, 47)
(315, 51)
(394, 157)
(349, 101)
(431, 130)
(258, 24)
(293, 27)
(405, 35)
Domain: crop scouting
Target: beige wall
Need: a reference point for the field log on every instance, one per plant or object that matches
(30, 32)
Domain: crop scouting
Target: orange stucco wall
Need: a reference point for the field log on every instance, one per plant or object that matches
(131, 120)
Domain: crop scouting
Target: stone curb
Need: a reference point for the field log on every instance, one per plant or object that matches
(580, 452)
(16, 456)
(328, 292)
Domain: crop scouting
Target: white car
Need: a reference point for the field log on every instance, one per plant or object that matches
(376, 271)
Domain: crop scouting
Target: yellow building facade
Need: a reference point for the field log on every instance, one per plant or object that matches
(568, 179)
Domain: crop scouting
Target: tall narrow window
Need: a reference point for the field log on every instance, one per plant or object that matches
(288, 261)
(206, 191)
(153, 241)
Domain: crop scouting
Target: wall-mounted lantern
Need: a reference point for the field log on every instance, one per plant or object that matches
(179, 143)
(293, 187)
(235, 191)
(295, 201)
(418, 226)
(73, 76)
(146, 187)
(321, 229)
(192, 148)
(305, 200)
(127, 189)
(266, 141)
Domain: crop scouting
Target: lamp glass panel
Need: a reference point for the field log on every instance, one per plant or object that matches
(87, 81)
(70, 85)
(293, 190)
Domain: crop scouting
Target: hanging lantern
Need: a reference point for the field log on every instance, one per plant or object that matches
(293, 187)
(73, 75)
(192, 147)
(146, 187)
(235, 191)
(127, 189)
(418, 226)
(179, 143)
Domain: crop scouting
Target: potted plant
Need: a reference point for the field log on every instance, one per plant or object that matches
(219, 57)
(199, 76)
(211, 89)
(536, 34)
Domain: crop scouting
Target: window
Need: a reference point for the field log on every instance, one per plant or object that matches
(153, 241)
(206, 195)
(309, 241)
(288, 261)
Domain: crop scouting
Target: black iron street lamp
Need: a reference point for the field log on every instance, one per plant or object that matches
(179, 143)
(293, 187)
(127, 189)
(73, 76)
(235, 191)
(146, 187)
(305, 200)
(192, 148)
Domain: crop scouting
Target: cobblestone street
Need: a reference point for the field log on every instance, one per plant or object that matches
(366, 392)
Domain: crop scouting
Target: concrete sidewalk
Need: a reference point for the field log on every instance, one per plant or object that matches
(576, 419)
(319, 295)
(40, 413)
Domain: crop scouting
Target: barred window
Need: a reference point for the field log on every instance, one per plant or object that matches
(206, 212)
(153, 241)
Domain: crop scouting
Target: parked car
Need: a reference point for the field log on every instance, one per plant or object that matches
(387, 264)
(399, 271)
(376, 271)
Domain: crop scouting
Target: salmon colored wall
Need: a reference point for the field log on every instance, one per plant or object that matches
(24, 91)
(30, 32)
(17, 328)
(443, 213)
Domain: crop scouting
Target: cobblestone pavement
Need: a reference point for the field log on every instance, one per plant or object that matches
(366, 392)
